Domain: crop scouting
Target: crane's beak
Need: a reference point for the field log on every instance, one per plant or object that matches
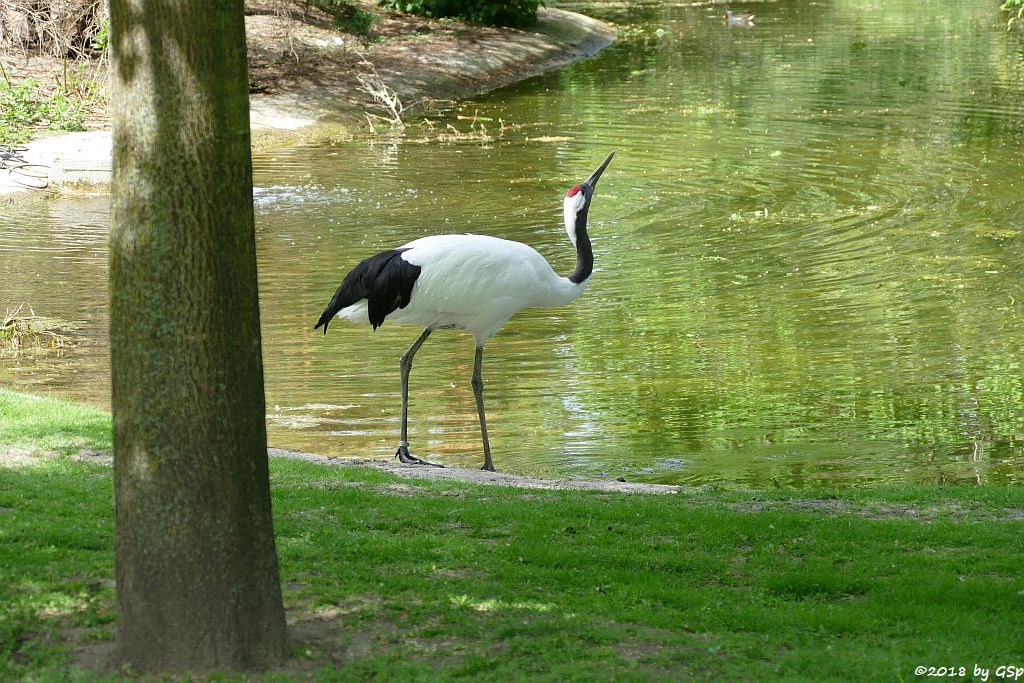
(592, 180)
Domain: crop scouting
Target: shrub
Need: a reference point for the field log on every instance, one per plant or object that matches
(347, 17)
(516, 13)
(355, 20)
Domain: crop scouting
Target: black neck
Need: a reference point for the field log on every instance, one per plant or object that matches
(584, 252)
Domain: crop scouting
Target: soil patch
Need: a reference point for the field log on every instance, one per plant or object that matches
(321, 77)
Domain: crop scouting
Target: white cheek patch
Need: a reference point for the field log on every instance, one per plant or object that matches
(571, 207)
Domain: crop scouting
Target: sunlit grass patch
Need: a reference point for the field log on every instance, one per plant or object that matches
(56, 562)
(51, 424)
(453, 580)
(493, 604)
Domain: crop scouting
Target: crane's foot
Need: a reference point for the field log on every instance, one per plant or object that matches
(406, 459)
(488, 467)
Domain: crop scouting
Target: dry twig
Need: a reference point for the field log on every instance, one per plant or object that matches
(384, 96)
(21, 332)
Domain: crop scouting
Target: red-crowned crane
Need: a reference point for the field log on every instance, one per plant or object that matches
(463, 282)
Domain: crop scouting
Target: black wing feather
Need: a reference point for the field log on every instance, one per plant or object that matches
(385, 280)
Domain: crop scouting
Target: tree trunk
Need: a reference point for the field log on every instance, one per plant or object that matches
(197, 576)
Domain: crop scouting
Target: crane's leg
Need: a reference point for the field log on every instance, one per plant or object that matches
(405, 363)
(478, 391)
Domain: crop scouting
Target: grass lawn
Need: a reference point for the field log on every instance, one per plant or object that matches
(399, 580)
(36, 422)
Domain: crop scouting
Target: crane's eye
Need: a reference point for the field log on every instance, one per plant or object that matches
(575, 190)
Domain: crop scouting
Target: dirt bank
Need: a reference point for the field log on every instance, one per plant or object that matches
(421, 60)
(309, 81)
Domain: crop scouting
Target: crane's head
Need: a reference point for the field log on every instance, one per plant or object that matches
(577, 200)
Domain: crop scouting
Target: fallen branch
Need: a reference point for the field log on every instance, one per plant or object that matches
(385, 97)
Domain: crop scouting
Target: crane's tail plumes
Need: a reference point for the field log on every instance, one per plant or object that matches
(384, 280)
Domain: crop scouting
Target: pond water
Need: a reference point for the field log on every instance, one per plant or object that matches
(809, 251)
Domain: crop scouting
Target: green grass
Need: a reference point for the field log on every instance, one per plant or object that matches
(51, 424)
(394, 580)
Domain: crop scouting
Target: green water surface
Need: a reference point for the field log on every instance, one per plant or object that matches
(808, 247)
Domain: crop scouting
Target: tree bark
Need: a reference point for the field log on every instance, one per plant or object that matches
(197, 577)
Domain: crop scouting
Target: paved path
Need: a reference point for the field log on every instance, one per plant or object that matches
(66, 157)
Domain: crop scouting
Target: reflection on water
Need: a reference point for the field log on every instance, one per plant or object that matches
(808, 252)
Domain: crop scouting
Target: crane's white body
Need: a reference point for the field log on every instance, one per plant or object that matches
(463, 282)
(474, 283)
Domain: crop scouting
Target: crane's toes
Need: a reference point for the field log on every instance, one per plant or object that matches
(406, 459)
(424, 462)
(488, 467)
